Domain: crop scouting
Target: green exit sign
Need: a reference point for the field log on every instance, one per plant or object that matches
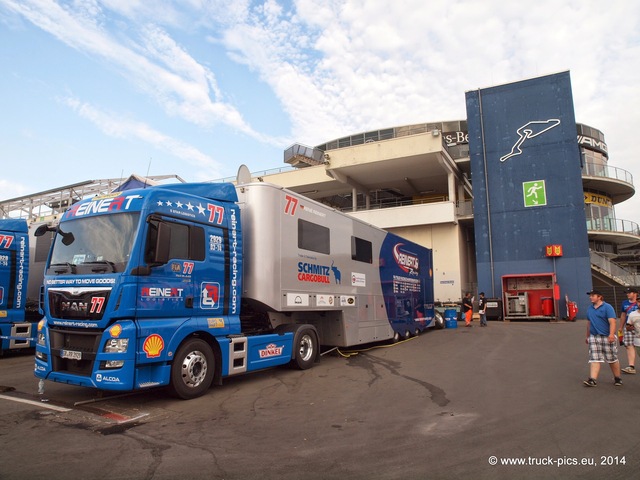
(535, 193)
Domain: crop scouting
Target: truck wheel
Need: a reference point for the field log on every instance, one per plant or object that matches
(192, 370)
(306, 349)
(439, 321)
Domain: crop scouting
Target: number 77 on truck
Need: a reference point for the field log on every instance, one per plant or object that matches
(183, 285)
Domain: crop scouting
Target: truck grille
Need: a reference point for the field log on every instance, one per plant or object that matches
(66, 343)
(73, 304)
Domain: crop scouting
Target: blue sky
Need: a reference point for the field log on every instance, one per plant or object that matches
(101, 89)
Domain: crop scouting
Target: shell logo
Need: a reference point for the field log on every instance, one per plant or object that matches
(153, 345)
(115, 331)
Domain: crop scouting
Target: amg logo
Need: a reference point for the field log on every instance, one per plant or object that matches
(592, 142)
(74, 306)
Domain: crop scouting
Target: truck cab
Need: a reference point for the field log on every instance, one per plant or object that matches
(15, 331)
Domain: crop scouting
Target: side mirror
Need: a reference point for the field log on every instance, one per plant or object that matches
(67, 238)
(42, 229)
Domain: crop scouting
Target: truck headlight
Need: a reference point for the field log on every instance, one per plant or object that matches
(116, 345)
(113, 363)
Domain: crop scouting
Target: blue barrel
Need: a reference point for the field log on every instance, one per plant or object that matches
(450, 318)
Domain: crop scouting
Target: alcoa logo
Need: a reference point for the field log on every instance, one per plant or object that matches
(153, 345)
(106, 378)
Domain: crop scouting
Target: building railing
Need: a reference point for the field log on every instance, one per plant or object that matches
(613, 225)
(393, 203)
(599, 170)
(259, 174)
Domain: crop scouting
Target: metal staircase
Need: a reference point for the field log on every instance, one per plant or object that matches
(610, 273)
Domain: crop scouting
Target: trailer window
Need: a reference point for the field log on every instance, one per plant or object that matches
(314, 237)
(361, 250)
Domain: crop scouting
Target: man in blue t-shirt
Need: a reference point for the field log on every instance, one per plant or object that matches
(628, 306)
(601, 338)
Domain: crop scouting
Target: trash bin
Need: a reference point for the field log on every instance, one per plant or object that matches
(450, 318)
(494, 309)
(547, 306)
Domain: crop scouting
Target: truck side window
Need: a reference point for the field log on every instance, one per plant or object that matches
(361, 250)
(179, 246)
(314, 237)
(186, 242)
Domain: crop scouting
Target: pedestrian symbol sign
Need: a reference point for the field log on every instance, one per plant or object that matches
(534, 192)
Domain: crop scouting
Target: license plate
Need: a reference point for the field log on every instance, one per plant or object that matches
(71, 355)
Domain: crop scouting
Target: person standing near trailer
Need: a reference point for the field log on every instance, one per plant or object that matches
(482, 309)
(628, 306)
(467, 309)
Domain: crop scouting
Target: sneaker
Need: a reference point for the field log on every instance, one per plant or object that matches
(631, 370)
(590, 382)
(617, 382)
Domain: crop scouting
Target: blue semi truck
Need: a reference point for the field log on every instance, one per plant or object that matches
(182, 285)
(16, 332)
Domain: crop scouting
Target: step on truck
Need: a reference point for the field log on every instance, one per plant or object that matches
(15, 331)
(182, 285)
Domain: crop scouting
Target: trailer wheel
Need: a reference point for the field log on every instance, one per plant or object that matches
(439, 321)
(416, 332)
(192, 370)
(306, 349)
(396, 337)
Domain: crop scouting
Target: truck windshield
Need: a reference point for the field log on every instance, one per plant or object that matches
(100, 244)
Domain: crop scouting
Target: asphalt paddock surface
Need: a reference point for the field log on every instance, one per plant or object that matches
(506, 401)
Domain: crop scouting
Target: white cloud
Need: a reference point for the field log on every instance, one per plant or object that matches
(153, 62)
(343, 66)
(123, 128)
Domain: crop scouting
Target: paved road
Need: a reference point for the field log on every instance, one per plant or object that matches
(442, 405)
